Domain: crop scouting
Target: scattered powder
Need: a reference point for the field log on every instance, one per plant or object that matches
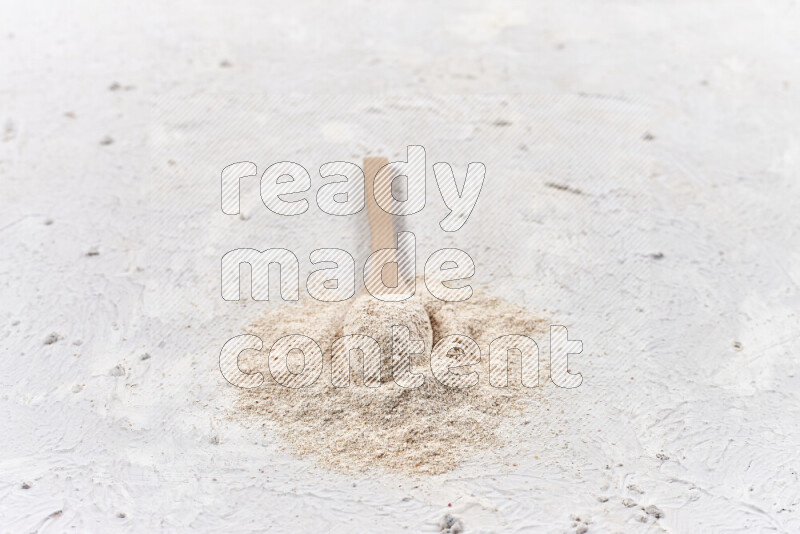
(428, 429)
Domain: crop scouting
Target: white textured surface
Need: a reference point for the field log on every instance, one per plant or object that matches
(717, 195)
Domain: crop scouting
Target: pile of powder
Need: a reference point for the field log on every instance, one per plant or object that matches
(428, 429)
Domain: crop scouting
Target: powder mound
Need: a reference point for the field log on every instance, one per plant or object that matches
(424, 430)
(375, 318)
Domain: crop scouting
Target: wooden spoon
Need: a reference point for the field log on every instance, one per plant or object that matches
(381, 224)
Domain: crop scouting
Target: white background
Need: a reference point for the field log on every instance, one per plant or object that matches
(202, 85)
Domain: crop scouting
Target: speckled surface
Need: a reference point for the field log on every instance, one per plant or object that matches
(672, 253)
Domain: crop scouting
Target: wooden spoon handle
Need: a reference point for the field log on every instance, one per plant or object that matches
(381, 224)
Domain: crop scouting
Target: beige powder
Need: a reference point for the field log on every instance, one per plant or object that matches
(428, 429)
